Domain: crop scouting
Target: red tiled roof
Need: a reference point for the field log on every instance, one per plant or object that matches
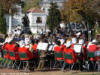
(35, 10)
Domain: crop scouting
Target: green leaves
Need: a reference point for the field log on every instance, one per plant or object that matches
(8, 4)
(54, 18)
(2, 21)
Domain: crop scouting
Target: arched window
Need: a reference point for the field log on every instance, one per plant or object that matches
(39, 20)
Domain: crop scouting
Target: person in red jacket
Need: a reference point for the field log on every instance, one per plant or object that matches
(6, 47)
(34, 47)
(25, 50)
(29, 57)
(35, 52)
(13, 48)
(93, 48)
(69, 50)
(58, 49)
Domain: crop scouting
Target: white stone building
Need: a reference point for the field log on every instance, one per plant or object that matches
(45, 4)
(37, 18)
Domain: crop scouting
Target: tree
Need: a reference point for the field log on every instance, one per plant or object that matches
(31, 3)
(54, 18)
(8, 4)
(70, 11)
(94, 5)
(2, 21)
(9, 7)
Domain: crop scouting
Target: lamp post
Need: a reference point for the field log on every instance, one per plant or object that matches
(37, 24)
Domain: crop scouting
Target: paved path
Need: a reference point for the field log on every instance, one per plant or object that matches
(16, 72)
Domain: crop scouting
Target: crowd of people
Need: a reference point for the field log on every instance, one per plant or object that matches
(60, 42)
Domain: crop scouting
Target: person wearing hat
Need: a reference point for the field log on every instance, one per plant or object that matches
(93, 48)
(82, 56)
(69, 50)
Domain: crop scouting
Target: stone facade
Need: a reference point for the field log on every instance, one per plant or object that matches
(37, 18)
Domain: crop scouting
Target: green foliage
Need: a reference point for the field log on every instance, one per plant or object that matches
(30, 4)
(54, 18)
(8, 4)
(2, 21)
(81, 10)
(71, 8)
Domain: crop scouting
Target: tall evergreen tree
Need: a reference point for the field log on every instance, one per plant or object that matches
(54, 18)
(2, 21)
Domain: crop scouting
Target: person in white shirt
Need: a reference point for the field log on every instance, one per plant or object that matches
(9, 38)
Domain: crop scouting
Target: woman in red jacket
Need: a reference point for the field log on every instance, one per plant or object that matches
(69, 50)
(35, 51)
(58, 49)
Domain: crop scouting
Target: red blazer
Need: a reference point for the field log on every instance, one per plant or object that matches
(58, 49)
(84, 52)
(70, 51)
(13, 48)
(93, 48)
(6, 47)
(25, 50)
(35, 49)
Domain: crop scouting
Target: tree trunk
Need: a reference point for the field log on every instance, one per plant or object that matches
(10, 24)
(10, 21)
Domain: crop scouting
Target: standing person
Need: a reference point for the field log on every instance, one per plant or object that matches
(35, 52)
(28, 43)
(92, 49)
(69, 50)
(58, 48)
(42, 57)
(84, 48)
(82, 56)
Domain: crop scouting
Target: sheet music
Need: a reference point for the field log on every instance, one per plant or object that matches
(77, 48)
(42, 46)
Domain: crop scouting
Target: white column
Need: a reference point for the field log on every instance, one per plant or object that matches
(10, 24)
(30, 19)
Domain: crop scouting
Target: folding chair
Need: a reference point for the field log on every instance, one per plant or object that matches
(25, 57)
(6, 58)
(58, 58)
(97, 53)
(14, 59)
